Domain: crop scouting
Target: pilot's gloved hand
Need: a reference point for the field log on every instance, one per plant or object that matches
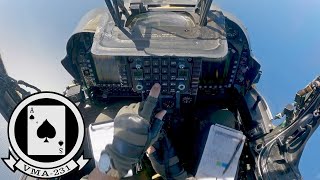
(134, 131)
(164, 159)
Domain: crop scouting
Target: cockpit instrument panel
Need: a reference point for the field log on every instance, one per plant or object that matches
(107, 72)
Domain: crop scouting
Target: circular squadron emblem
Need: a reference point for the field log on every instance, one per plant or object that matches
(45, 131)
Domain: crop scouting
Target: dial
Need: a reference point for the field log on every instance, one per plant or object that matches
(168, 103)
(186, 100)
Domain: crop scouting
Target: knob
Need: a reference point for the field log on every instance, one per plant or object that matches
(181, 66)
(139, 87)
(181, 87)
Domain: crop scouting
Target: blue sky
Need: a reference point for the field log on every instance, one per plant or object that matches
(284, 37)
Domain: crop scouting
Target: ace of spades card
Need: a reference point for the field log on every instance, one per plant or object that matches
(46, 130)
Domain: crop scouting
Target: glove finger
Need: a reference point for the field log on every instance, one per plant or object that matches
(169, 146)
(155, 90)
(134, 107)
(147, 107)
(156, 156)
(161, 114)
(150, 150)
(123, 110)
(155, 130)
(165, 161)
(131, 109)
(157, 165)
(156, 150)
(173, 169)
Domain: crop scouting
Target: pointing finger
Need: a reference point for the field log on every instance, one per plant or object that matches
(151, 102)
(155, 90)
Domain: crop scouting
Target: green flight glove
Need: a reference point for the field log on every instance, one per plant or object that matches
(134, 131)
(164, 159)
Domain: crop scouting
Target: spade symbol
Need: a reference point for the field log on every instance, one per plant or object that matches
(31, 117)
(60, 143)
(46, 130)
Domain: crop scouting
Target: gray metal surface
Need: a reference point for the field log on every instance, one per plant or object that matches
(145, 38)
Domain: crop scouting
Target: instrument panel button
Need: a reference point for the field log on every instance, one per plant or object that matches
(146, 63)
(164, 77)
(155, 62)
(173, 84)
(147, 77)
(173, 63)
(148, 85)
(164, 70)
(164, 90)
(147, 70)
(156, 70)
(173, 70)
(165, 63)
(164, 84)
(156, 77)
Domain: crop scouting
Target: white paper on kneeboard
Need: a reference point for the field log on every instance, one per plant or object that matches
(100, 135)
(221, 144)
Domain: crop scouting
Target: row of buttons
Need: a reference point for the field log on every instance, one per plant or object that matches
(242, 69)
(157, 70)
(196, 71)
(163, 84)
(86, 68)
(156, 77)
(123, 75)
(157, 63)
